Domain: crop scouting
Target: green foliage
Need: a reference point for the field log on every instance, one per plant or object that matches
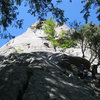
(49, 28)
(8, 14)
(78, 33)
(88, 4)
(89, 37)
(93, 38)
(62, 34)
(91, 32)
(66, 43)
(54, 42)
(39, 8)
(65, 40)
(62, 41)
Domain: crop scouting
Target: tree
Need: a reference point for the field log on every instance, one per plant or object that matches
(93, 39)
(89, 38)
(79, 36)
(49, 28)
(87, 7)
(40, 8)
(63, 40)
(8, 13)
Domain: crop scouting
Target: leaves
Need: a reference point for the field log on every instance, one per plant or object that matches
(63, 41)
(40, 8)
(87, 7)
(8, 13)
(49, 28)
(89, 37)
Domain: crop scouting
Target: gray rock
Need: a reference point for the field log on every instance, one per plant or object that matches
(71, 64)
(41, 80)
(12, 82)
(30, 70)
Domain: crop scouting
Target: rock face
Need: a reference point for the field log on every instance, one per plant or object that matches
(33, 76)
(31, 70)
(71, 64)
(34, 39)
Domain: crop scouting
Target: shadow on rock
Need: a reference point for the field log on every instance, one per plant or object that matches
(36, 76)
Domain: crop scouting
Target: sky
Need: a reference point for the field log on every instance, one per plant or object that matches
(71, 10)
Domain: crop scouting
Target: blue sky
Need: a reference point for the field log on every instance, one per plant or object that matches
(71, 10)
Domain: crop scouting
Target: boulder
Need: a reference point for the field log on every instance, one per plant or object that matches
(31, 70)
(72, 63)
(77, 61)
(40, 79)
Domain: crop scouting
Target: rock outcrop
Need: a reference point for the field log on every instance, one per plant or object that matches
(33, 76)
(34, 39)
(31, 70)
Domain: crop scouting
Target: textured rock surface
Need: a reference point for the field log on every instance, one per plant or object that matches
(33, 76)
(26, 74)
(32, 40)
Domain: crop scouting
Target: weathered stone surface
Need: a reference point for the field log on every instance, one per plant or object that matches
(78, 61)
(12, 82)
(36, 76)
(34, 39)
(71, 64)
(31, 70)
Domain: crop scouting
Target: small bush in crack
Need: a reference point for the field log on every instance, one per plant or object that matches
(29, 70)
(49, 28)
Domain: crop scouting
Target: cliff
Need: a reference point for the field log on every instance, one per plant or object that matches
(30, 69)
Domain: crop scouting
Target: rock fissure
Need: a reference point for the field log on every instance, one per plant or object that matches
(25, 86)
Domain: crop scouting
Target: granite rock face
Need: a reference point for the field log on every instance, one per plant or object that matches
(34, 39)
(31, 70)
(33, 76)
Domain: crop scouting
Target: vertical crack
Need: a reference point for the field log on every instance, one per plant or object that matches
(25, 85)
